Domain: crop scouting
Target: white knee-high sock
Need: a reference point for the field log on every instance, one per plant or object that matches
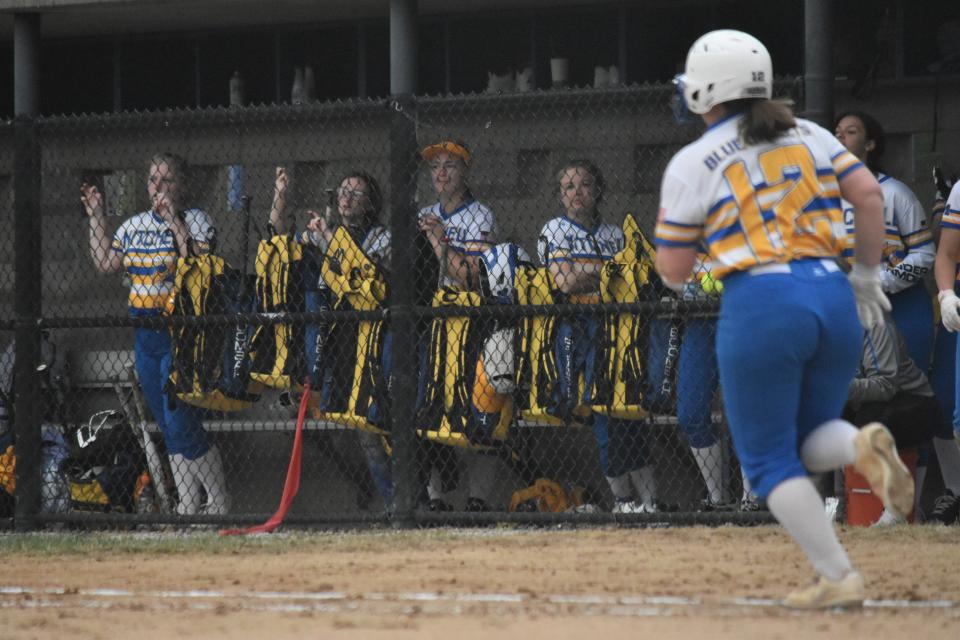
(645, 484)
(189, 490)
(747, 491)
(710, 461)
(620, 486)
(435, 486)
(829, 446)
(208, 471)
(798, 507)
(948, 453)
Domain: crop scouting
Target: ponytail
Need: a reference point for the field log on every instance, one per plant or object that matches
(763, 120)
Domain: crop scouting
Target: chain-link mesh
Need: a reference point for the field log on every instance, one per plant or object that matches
(465, 283)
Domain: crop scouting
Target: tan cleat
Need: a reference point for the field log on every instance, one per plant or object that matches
(879, 463)
(824, 594)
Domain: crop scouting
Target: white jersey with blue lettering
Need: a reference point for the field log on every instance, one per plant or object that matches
(563, 240)
(908, 251)
(470, 228)
(150, 255)
(760, 204)
(951, 215)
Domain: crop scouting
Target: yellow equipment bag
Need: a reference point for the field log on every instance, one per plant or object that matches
(210, 367)
(619, 380)
(536, 367)
(353, 389)
(460, 407)
(278, 355)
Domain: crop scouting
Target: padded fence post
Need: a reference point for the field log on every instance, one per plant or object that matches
(403, 384)
(27, 310)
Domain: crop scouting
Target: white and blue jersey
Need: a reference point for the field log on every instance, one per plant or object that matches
(756, 205)
(150, 256)
(563, 240)
(908, 250)
(908, 256)
(470, 228)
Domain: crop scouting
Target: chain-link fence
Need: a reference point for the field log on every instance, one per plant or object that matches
(465, 283)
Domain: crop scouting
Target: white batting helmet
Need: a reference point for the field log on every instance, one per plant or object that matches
(722, 66)
(498, 270)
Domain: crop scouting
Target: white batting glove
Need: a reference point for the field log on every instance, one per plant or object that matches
(949, 309)
(871, 301)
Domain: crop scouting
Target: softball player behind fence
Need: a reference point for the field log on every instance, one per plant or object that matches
(146, 247)
(761, 189)
(574, 247)
(908, 250)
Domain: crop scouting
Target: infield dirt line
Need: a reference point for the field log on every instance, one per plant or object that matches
(14, 596)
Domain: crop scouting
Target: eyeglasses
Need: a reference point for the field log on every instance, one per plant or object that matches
(344, 192)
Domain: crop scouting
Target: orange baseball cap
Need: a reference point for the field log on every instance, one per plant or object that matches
(449, 146)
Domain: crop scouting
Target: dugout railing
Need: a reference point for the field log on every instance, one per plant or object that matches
(48, 284)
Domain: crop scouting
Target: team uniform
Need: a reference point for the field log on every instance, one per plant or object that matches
(696, 382)
(908, 255)
(470, 228)
(621, 443)
(771, 220)
(149, 258)
(946, 352)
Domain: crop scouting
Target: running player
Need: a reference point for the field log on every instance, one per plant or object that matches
(761, 190)
(574, 247)
(146, 247)
(908, 250)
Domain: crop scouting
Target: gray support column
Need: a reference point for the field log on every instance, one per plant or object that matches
(27, 274)
(403, 47)
(818, 61)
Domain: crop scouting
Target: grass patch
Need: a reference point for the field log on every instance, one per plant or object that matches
(208, 542)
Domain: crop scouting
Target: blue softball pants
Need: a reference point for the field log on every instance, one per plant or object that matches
(180, 424)
(788, 346)
(912, 312)
(696, 375)
(943, 379)
(622, 443)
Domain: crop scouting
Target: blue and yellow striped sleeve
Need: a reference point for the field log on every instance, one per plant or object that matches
(844, 162)
(677, 234)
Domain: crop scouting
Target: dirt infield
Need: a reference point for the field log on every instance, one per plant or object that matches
(464, 584)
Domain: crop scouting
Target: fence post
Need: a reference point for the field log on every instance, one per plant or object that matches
(27, 285)
(403, 383)
(27, 310)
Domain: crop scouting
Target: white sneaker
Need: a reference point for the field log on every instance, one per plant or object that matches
(634, 506)
(888, 518)
(831, 505)
(878, 462)
(825, 594)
